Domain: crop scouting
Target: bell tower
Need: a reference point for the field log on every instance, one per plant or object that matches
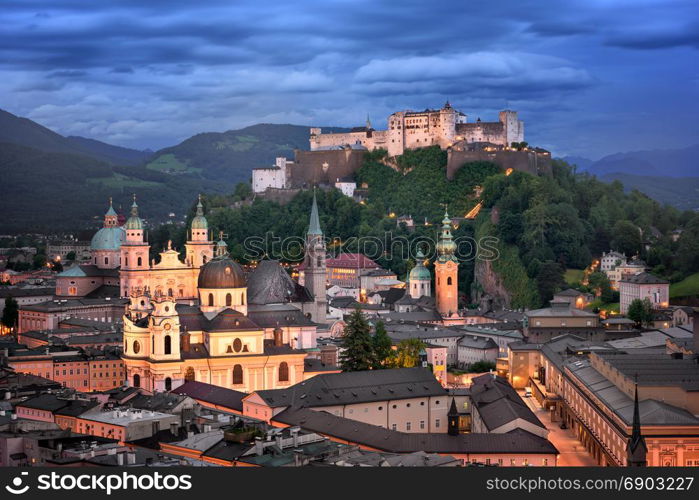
(199, 249)
(446, 271)
(134, 253)
(315, 272)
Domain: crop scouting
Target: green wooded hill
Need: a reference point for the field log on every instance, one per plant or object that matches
(543, 224)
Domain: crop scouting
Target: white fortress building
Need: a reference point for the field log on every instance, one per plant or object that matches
(274, 177)
(418, 129)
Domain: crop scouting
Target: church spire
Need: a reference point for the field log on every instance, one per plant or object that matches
(636, 448)
(453, 419)
(314, 225)
(368, 122)
(134, 222)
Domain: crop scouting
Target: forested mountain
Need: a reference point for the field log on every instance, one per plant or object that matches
(25, 132)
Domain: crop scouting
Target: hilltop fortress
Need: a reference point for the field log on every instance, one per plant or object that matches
(334, 158)
(418, 129)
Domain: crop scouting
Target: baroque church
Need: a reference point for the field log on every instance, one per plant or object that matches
(205, 320)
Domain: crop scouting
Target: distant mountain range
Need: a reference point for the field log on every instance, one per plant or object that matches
(25, 132)
(682, 162)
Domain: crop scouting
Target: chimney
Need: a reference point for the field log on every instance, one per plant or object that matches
(259, 446)
(185, 342)
(278, 337)
(131, 457)
(295, 435)
(120, 459)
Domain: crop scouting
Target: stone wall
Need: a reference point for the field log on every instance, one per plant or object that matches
(308, 169)
(532, 162)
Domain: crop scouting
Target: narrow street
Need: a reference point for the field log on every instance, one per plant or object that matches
(571, 452)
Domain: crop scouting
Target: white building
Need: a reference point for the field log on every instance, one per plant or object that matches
(270, 177)
(346, 185)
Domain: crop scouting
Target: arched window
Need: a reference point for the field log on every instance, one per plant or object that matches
(139, 261)
(211, 300)
(137, 380)
(168, 384)
(168, 344)
(237, 375)
(229, 299)
(126, 261)
(283, 372)
(181, 292)
(189, 374)
(449, 280)
(203, 259)
(170, 293)
(136, 347)
(106, 261)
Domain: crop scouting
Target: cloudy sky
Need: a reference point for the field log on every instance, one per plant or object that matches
(589, 77)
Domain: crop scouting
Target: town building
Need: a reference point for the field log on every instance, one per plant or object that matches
(643, 286)
(541, 325)
(274, 177)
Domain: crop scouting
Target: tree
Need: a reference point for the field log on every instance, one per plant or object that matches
(382, 346)
(70, 255)
(39, 261)
(407, 353)
(481, 366)
(10, 313)
(599, 282)
(549, 279)
(641, 311)
(626, 238)
(357, 346)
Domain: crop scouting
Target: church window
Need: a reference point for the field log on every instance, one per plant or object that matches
(168, 344)
(170, 292)
(181, 292)
(237, 375)
(168, 384)
(229, 299)
(139, 261)
(189, 375)
(449, 280)
(237, 345)
(137, 380)
(211, 300)
(136, 347)
(283, 372)
(242, 298)
(106, 261)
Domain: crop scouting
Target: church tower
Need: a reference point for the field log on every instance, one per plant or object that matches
(106, 243)
(446, 271)
(636, 449)
(419, 279)
(315, 272)
(134, 253)
(199, 249)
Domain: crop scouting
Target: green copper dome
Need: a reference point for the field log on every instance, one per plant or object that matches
(134, 222)
(199, 221)
(420, 272)
(108, 238)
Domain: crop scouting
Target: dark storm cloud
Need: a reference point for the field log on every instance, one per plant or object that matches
(148, 74)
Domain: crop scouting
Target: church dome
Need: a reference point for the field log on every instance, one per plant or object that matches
(221, 272)
(420, 272)
(108, 238)
(199, 221)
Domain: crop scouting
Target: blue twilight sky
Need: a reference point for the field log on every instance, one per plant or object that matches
(589, 77)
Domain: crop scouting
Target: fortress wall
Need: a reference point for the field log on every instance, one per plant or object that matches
(482, 132)
(524, 161)
(332, 140)
(308, 167)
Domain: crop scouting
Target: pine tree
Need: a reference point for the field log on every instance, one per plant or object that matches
(10, 313)
(382, 346)
(357, 345)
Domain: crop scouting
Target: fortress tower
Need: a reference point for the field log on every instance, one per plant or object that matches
(446, 271)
